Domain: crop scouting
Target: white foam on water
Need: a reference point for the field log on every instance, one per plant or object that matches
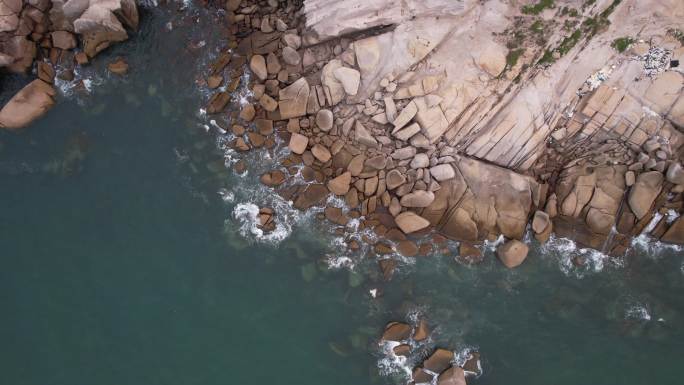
(566, 251)
(650, 246)
(248, 216)
(392, 364)
(492, 245)
(227, 195)
(638, 312)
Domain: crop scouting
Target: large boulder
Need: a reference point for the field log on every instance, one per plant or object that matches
(439, 360)
(99, 22)
(644, 192)
(512, 253)
(293, 99)
(410, 222)
(29, 104)
(396, 331)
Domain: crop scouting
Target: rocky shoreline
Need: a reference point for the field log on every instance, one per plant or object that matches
(413, 151)
(377, 110)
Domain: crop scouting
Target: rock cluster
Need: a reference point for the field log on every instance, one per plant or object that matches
(440, 364)
(48, 33)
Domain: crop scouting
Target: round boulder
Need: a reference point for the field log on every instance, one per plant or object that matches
(512, 253)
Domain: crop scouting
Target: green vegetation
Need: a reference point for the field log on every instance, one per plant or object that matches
(622, 43)
(588, 3)
(537, 26)
(513, 56)
(677, 33)
(537, 8)
(547, 58)
(569, 42)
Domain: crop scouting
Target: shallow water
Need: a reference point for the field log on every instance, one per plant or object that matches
(124, 261)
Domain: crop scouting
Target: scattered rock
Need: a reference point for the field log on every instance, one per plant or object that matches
(418, 198)
(362, 136)
(442, 172)
(396, 331)
(340, 185)
(350, 79)
(258, 66)
(321, 153)
(324, 120)
(439, 360)
(293, 99)
(273, 178)
(290, 56)
(298, 143)
(410, 222)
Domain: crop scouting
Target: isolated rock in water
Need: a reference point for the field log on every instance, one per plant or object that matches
(396, 331)
(32, 102)
(439, 360)
(350, 79)
(644, 192)
(340, 185)
(410, 222)
(540, 221)
(293, 99)
(402, 350)
(452, 376)
(298, 143)
(512, 253)
(119, 66)
(675, 234)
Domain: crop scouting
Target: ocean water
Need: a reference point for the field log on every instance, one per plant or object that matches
(130, 256)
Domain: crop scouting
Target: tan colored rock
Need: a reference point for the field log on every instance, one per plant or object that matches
(247, 113)
(268, 103)
(350, 79)
(324, 120)
(29, 104)
(410, 222)
(405, 116)
(291, 56)
(293, 99)
(675, 234)
(394, 179)
(364, 137)
(442, 172)
(641, 196)
(63, 40)
(675, 173)
(452, 376)
(418, 198)
(512, 253)
(439, 360)
(258, 66)
(321, 153)
(298, 143)
(340, 185)
(119, 67)
(540, 221)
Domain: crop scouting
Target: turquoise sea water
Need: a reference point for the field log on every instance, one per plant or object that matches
(128, 258)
